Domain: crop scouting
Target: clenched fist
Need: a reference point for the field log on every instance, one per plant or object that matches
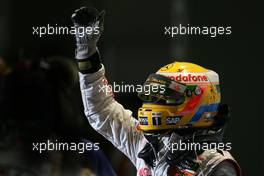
(89, 26)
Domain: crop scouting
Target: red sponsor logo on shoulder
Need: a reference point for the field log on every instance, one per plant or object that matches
(144, 172)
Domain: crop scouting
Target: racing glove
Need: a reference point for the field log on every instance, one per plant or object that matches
(88, 23)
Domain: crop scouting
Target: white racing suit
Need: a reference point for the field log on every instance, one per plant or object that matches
(116, 124)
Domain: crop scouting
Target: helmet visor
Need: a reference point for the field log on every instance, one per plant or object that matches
(160, 89)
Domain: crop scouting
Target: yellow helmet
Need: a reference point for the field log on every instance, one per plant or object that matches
(180, 95)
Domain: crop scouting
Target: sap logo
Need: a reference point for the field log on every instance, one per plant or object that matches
(172, 120)
(143, 120)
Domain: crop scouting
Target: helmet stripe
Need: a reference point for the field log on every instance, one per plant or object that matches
(201, 110)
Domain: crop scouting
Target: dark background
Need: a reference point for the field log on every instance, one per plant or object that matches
(134, 45)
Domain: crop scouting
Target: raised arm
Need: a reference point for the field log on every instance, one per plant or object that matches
(105, 115)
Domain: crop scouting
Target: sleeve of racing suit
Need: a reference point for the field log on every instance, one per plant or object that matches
(107, 116)
(225, 168)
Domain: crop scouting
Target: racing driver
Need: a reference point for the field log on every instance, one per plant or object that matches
(183, 109)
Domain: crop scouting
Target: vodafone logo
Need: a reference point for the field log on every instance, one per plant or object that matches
(189, 78)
